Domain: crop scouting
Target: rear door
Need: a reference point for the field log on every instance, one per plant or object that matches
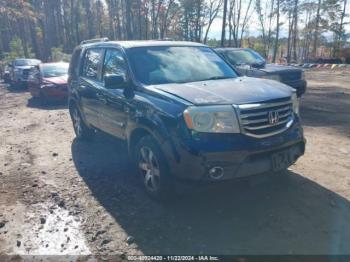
(114, 113)
(90, 84)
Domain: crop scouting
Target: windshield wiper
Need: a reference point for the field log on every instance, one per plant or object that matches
(218, 77)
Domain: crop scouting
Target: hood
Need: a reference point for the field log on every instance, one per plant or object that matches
(58, 80)
(272, 68)
(241, 90)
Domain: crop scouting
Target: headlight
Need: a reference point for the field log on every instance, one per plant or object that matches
(212, 119)
(295, 101)
(272, 77)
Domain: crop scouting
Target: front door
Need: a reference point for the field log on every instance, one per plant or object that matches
(114, 113)
(90, 84)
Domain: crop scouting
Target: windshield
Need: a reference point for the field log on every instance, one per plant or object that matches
(53, 70)
(26, 62)
(244, 56)
(162, 65)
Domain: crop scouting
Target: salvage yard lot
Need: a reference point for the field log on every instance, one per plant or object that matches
(60, 196)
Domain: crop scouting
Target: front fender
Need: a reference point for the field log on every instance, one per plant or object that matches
(155, 127)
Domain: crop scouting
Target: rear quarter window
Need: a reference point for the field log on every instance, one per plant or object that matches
(74, 63)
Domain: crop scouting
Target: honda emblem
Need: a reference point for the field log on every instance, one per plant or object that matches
(273, 117)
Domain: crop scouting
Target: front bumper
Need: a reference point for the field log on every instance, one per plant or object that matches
(237, 155)
(59, 93)
(20, 80)
(299, 85)
(55, 93)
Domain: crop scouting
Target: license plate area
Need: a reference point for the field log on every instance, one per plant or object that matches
(281, 160)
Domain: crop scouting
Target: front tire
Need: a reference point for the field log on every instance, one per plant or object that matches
(152, 169)
(82, 131)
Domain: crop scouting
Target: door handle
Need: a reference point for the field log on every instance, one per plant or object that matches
(82, 87)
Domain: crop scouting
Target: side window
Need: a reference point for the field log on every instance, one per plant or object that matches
(92, 61)
(114, 63)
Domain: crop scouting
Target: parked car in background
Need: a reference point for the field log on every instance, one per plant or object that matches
(183, 111)
(6, 75)
(250, 63)
(49, 81)
(20, 69)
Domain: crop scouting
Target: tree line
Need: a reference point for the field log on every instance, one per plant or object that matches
(294, 29)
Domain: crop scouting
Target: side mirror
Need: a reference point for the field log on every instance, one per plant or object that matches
(114, 82)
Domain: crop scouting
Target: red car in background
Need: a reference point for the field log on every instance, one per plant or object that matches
(48, 81)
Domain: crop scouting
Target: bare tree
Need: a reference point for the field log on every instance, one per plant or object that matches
(240, 11)
(40, 25)
(317, 26)
(212, 13)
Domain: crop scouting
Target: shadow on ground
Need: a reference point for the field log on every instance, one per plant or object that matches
(15, 89)
(276, 216)
(46, 105)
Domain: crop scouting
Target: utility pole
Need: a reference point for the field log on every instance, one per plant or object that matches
(224, 24)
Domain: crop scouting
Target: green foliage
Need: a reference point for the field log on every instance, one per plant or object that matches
(259, 47)
(16, 51)
(58, 55)
(213, 42)
(16, 48)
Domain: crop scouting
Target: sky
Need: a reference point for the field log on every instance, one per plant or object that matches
(254, 27)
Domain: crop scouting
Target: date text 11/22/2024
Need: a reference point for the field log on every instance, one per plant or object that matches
(173, 258)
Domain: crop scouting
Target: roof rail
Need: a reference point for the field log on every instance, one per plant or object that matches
(90, 41)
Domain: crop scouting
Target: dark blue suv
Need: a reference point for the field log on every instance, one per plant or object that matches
(183, 111)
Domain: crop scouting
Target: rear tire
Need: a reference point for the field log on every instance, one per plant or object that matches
(152, 169)
(82, 131)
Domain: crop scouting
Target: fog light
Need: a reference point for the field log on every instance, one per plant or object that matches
(216, 172)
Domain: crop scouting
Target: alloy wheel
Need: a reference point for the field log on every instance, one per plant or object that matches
(77, 122)
(149, 167)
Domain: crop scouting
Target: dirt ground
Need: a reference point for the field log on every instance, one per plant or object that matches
(59, 196)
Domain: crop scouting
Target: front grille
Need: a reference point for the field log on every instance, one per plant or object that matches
(257, 119)
(290, 76)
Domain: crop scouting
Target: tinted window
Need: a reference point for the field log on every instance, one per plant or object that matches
(93, 58)
(244, 56)
(54, 70)
(114, 63)
(175, 64)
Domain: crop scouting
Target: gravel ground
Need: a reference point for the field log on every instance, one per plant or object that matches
(59, 196)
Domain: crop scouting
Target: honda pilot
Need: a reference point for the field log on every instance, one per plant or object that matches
(184, 113)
